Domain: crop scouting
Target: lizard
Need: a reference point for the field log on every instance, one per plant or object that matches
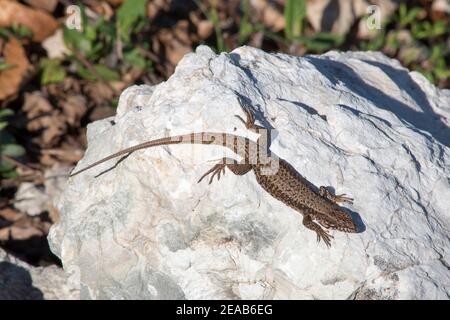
(320, 208)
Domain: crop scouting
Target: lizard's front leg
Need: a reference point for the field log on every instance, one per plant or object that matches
(250, 122)
(218, 169)
(321, 233)
(323, 191)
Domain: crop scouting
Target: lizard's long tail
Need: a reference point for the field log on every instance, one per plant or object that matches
(224, 139)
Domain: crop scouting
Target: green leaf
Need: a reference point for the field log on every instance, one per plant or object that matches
(245, 27)
(21, 31)
(12, 150)
(321, 41)
(6, 113)
(6, 66)
(134, 57)
(103, 71)
(7, 169)
(4, 124)
(129, 13)
(106, 73)
(443, 73)
(74, 39)
(52, 71)
(294, 15)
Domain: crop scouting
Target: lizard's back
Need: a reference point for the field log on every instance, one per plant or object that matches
(288, 186)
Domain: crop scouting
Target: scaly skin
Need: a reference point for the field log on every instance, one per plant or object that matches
(319, 209)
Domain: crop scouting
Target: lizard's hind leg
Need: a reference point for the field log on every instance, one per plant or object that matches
(218, 169)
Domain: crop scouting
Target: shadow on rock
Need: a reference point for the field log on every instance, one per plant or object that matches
(426, 120)
(16, 283)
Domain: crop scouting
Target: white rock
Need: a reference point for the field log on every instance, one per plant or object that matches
(356, 121)
(31, 199)
(34, 199)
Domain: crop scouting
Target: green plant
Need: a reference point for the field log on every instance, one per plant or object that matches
(97, 40)
(213, 16)
(51, 71)
(15, 30)
(6, 66)
(8, 147)
(294, 15)
(245, 26)
(406, 17)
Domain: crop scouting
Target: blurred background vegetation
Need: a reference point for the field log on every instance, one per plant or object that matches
(62, 67)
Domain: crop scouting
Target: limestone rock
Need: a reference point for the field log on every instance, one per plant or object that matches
(356, 121)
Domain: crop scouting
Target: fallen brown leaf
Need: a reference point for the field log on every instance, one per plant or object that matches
(55, 46)
(10, 214)
(43, 117)
(11, 79)
(52, 156)
(176, 41)
(204, 29)
(23, 233)
(74, 107)
(270, 16)
(4, 234)
(114, 2)
(47, 5)
(155, 6)
(98, 92)
(41, 23)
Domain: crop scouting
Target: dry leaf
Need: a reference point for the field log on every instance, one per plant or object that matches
(43, 117)
(115, 2)
(155, 6)
(26, 232)
(204, 29)
(103, 9)
(10, 214)
(41, 23)
(47, 5)
(10, 79)
(74, 107)
(176, 41)
(101, 112)
(35, 104)
(54, 45)
(50, 157)
(270, 16)
(98, 92)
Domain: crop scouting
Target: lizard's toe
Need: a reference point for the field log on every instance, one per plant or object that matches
(343, 198)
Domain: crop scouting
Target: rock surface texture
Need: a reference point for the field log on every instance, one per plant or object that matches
(358, 122)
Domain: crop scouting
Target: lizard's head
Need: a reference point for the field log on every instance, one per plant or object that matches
(338, 220)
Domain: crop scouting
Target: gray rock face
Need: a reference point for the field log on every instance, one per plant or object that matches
(359, 122)
(20, 281)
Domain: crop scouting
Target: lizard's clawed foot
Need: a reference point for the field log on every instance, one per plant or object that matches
(218, 169)
(343, 198)
(323, 234)
(323, 191)
(250, 122)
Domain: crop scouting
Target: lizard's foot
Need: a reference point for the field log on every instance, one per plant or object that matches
(250, 122)
(218, 169)
(323, 191)
(321, 233)
(236, 168)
